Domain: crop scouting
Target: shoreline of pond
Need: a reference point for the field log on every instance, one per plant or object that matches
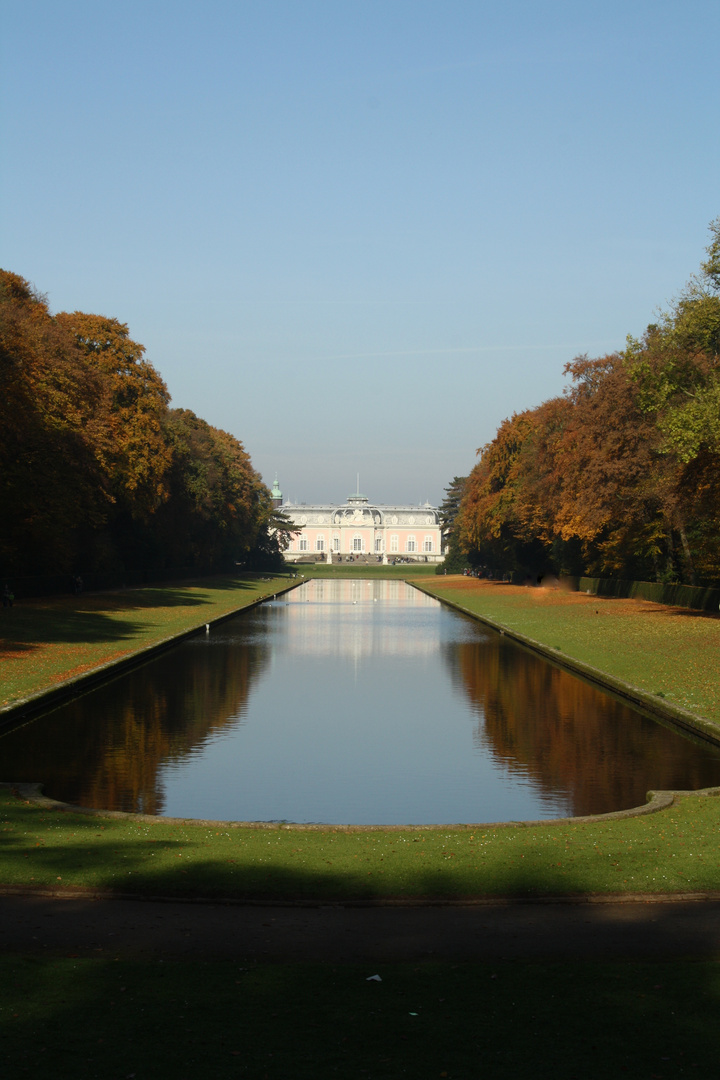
(658, 707)
(33, 704)
(597, 853)
(663, 711)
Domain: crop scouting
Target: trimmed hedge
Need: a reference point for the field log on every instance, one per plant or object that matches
(689, 596)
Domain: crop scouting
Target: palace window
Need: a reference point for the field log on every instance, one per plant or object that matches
(378, 544)
(394, 543)
(428, 543)
(410, 545)
(302, 543)
(320, 543)
(336, 542)
(357, 543)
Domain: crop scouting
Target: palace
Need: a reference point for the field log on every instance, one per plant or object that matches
(358, 527)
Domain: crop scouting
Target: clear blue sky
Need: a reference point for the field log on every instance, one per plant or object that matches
(359, 235)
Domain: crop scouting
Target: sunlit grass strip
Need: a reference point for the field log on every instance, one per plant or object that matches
(46, 642)
(676, 850)
(369, 571)
(671, 654)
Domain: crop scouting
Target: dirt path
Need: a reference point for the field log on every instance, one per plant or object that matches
(634, 928)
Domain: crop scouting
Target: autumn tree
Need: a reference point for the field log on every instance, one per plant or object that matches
(125, 425)
(96, 471)
(621, 476)
(490, 522)
(49, 484)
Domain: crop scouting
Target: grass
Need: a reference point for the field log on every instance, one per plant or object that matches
(74, 1018)
(113, 1016)
(45, 642)
(369, 571)
(669, 653)
(674, 850)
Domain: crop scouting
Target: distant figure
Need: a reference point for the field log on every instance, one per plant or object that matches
(77, 585)
(7, 597)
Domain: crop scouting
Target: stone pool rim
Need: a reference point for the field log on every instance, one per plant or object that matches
(658, 800)
(28, 707)
(657, 708)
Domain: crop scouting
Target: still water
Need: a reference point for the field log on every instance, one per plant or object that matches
(352, 702)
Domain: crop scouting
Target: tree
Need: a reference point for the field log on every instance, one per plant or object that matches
(217, 505)
(620, 476)
(489, 523)
(96, 471)
(612, 488)
(127, 415)
(455, 558)
(49, 483)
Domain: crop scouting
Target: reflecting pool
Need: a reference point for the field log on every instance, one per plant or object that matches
(353, 702)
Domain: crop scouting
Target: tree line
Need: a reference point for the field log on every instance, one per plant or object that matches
(619, 476)
(97, 472)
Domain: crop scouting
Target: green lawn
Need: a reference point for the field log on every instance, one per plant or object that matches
(45, 642)
(674, 850)
(671, 654)
(74, 1018)
(111, 1016)
(371, 571)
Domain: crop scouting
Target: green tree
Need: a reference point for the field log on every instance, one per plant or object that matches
(455, 558)
(217, 505)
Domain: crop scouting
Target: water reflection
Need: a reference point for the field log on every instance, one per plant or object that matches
(568, 736)
(352, 702)
(344, 631)
(107, 748)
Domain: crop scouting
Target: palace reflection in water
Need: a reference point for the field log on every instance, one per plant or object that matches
(353, 702)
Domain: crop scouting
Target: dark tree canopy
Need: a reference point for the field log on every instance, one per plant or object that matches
(97, 472)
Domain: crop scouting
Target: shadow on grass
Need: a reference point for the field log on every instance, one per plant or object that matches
(688, 613)
(92, 619)
(101, 1013)
(128, 855)
(77, 1018)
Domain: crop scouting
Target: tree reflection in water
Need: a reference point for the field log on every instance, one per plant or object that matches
(566, 735)
(380, 707)
(168, 711)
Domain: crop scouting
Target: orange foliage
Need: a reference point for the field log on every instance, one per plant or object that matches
(90, 454)
(127, 413)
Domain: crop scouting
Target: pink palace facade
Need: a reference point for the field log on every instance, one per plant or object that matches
(359, 527)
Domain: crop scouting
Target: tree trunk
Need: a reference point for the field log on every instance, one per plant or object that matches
(672, 569)
(688, 556)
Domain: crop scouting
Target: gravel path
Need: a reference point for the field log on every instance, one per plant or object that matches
(641, 927)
